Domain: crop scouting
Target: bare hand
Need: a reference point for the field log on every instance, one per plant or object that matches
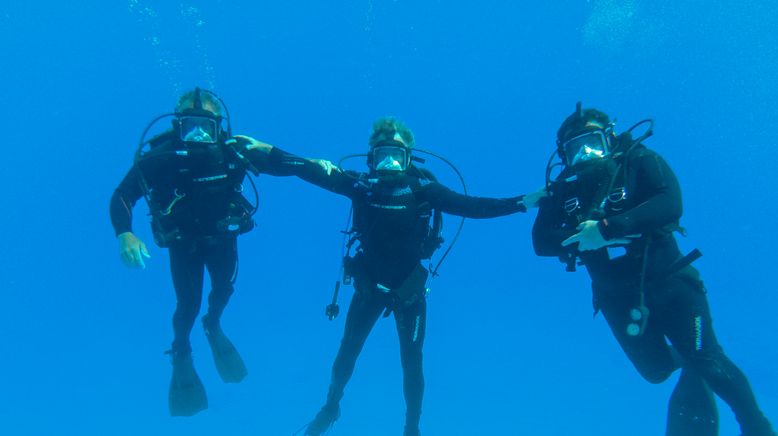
(533, 198)
(132, 250)
(326, 165)
(254, 144)
(590, 238)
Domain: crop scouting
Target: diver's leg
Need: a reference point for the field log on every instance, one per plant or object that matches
(222, 263)
(186, 395)
(186, 268)
(362, 315)
(691, 331)
(221, 260)
(363, 312)
(649, 353)
(411, 321)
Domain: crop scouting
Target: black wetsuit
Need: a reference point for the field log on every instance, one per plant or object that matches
(391, 218)
(645, 199)
(196, 213)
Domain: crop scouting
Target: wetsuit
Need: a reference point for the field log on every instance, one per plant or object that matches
(644, 198)
(391, 219)
(197, 212)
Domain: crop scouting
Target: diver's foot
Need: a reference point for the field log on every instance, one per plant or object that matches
(228, 362)
(323, 421)
(411, 430)
(186, 396)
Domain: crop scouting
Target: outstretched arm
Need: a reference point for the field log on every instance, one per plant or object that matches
(448, 201)
(261, 157)
(270, 159)
(325, 174)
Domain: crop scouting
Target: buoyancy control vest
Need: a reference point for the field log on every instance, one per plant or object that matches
(194, 191)
(392, 219)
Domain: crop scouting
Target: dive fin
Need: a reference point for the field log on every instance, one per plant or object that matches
(187, 394)
(228, 362)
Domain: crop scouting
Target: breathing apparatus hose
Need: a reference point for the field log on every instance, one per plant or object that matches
(628, 151)
(434, 271)
(139, 154)
(347, 157)
(255, 206)
(550, 167)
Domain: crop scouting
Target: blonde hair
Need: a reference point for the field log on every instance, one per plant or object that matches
(385, 128)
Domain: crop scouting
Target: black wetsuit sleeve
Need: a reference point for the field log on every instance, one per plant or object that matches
(337, 181)
(659, 196)
(277, 162)
(548, 232)
(123, 200)
(448, 201)
(281, 163)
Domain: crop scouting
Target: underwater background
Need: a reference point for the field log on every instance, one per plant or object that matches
(511, 346)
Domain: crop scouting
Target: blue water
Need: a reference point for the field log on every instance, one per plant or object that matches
(511, 345)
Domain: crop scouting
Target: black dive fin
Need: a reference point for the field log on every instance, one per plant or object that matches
(228, 362)
(187, 394)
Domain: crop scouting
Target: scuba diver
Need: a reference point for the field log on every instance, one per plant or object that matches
(191, 176)
(392, 206)
(613, 208)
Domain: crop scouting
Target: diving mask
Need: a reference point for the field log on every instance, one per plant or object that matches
(199, 129)
(588, 146)
(390, 158)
